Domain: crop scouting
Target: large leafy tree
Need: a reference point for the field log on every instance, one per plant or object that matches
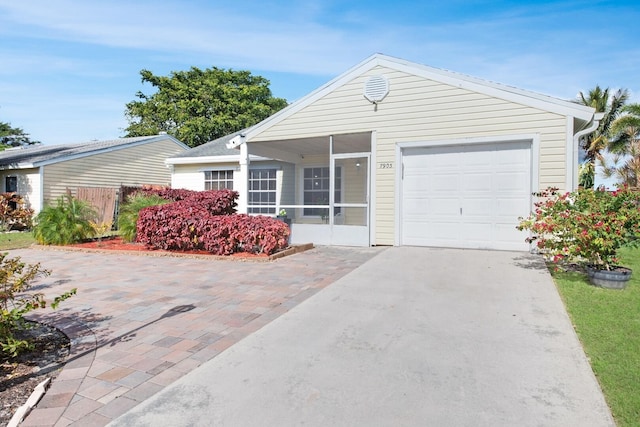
(197, 106)
(592, 145)
(625, 145)
(13, 137)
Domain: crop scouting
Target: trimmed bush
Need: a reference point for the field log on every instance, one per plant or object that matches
(206, 220)
(218, 202)
(173, 194)
(69, 221)
(185, 227)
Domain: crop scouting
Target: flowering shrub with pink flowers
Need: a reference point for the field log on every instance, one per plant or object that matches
(584, 227)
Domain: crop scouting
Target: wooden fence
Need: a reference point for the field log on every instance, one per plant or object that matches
(102, 199)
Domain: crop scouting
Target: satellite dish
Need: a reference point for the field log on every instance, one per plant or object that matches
(376, 88)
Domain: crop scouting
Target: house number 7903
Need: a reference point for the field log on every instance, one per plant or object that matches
(385, 165)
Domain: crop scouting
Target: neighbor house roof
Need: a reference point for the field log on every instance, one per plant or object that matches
(212, 151)
(40, 155)
(524, 97)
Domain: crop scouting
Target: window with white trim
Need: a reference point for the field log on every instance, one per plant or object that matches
(316, 189)
(262, 191)
(218, 180)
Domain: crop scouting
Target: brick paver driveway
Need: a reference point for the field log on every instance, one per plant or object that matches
(138, 323)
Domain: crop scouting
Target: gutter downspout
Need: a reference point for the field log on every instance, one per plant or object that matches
(593, 125)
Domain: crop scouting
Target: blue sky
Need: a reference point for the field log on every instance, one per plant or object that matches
(68, 67)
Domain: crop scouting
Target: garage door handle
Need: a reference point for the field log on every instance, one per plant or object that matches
(460, 211)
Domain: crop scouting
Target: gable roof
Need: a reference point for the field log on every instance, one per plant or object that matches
(497, 90)
(40, 155)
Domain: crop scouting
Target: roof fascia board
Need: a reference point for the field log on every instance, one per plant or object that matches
(109, 149)
(18, 166)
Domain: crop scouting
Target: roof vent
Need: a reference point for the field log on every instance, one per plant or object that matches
(376, 88)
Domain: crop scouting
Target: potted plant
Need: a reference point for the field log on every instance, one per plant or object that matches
(586, 228)
(282, 216)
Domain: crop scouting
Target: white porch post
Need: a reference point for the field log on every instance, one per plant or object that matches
(332, 181)
(242, 183)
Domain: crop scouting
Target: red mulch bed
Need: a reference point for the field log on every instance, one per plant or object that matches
(117, 244)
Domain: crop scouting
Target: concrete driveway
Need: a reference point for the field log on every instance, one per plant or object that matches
(413, 337)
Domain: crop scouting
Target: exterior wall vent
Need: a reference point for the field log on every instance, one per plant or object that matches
(376, 88)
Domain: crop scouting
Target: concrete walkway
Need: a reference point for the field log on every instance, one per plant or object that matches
(414, 337)
(138, 323)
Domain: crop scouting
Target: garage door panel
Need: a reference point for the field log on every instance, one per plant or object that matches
(443, 182)
(470, 196)
(508, 207)
(477, 234)
(445, 233)
(441, 231)
(512, 181)
(416, 205)
(476, 207)
(477, 182)
(445, 207)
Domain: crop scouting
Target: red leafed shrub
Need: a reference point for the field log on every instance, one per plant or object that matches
(168, 193)
(217, 202)
(185, 226)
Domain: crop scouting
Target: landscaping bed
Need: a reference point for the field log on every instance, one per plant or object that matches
(117, 245)
(21, 375)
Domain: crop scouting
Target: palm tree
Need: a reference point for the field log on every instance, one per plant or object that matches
(625, 145)
(593, 144)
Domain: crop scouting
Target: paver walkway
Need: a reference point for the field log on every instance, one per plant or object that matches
(138, 323)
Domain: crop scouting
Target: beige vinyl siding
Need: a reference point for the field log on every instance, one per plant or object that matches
(421, 110)
(137, 165)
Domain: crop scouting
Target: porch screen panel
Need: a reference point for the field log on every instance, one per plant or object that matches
(316, 189)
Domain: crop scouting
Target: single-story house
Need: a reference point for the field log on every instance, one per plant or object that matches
(42, 173)
(397, 153)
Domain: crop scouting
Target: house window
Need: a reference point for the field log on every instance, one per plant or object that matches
(218, 180)
(316, 189)
(262, 191)
(11, 184)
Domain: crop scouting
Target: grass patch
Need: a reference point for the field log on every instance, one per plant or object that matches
(15, 240)
(608, 324)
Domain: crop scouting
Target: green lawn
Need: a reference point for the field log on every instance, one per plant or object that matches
(608, 324)
(16, 240)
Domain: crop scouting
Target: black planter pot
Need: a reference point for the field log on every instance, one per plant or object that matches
(284, 219)
(617, 278)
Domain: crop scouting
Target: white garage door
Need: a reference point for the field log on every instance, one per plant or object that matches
(467, 196)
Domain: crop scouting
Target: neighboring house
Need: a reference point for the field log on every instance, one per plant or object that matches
(41, 173)
(397, 153)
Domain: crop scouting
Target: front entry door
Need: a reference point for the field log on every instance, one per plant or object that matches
(350, 200)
